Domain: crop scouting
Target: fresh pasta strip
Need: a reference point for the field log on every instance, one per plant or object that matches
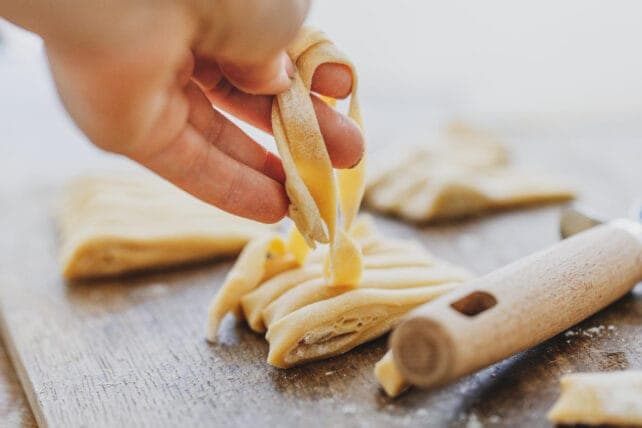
(333, 326)
(311, 185)
(256, 301)
(314, 290)
(392, 382)
(612, 398)
(118, 223)
(463, 176)
(260, 260)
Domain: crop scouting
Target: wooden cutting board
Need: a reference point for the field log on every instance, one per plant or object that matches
(132, 352)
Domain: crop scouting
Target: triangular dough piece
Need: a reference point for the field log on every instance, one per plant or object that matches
(388, 376)
(467, 174)
(311, 185)
(306, 320)
(612, 398)
(117, 223)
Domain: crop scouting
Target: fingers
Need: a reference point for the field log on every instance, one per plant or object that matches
(271, 77)
(205, 171)
(249, 38)
(341, 134)
(343, 138)
(227, 137)
(332, 80)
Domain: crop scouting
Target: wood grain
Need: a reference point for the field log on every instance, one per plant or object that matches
(14, 410)
(519, 305)
(133, 352)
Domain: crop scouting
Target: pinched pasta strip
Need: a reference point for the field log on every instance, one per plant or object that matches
(314, 290)
(398, 275)
(310, 178)
(613, 398)
(336, 325)
(255, 302)
(260, 260)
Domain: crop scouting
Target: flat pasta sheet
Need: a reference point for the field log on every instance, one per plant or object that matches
(613, 398)
(118, 223)
(467, 174)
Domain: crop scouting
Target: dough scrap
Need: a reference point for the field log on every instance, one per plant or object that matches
(306, 320)
(118, 223)
(613, 398)
(467, 174)
(311, 185)
(392, 382)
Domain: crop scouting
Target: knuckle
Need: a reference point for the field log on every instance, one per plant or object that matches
(214, 131)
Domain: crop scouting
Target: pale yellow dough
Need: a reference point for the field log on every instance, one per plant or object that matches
(339, 296)
(392, 382)
(466, 174)
(117, 223)
(613, 398)
(311, 185)
(305, 319)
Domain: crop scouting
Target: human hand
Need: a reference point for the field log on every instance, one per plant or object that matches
(140, 78)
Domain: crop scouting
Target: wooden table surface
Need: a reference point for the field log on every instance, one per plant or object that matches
(14, 410)
(132, 352)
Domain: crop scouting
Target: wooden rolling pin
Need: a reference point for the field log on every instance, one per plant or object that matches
(518, 306)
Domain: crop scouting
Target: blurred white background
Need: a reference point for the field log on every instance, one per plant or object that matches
(547, 57)
(509, 65)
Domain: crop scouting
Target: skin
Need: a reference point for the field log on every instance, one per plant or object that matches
(147, 78)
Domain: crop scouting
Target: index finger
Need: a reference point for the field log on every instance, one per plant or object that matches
(342, 136)
(332, 80)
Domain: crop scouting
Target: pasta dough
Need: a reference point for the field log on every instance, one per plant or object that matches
(467, 174)
(310, 179)
(305, 319)
(389, 377)
(112, 224)
(613, 398)
(311, 308)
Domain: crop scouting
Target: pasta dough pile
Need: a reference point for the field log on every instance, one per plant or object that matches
(613, 398)
(305, 319)
(316, 305)
(467, 174)
(112, 224)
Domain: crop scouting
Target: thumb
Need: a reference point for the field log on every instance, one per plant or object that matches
(248, 40)
(271, 77)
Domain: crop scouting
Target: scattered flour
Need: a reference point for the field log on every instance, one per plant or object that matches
(590, 332)
(473, 422)
(494, 419)
(349, 409)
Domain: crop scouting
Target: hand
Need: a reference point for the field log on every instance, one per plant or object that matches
(140, 78)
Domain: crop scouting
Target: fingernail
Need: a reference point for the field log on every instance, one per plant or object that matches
(273, 168)
(289, 68)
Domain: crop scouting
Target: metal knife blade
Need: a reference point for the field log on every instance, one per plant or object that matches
(573, 221)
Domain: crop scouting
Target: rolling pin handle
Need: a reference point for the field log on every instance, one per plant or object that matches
(518, 306)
